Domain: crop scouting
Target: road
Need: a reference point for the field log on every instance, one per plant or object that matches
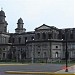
(30, 68)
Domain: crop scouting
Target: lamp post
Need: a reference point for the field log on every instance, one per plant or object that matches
(66, 54)
(32, 56)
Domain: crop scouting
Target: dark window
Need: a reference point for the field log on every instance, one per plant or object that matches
(3, 55)
(49, 36)
(9, 56)
(0, 50)
(25, 39)
(13, 39)
(38, 53)
(45, 54)
(19, 40)
(56, 46)
(38, 46)
(63, 36)
(32, 38)
(71, 36)
(9, 39)
(59, 36)
(55, 35)
(43, 36)
(3, 48)
(4, 29)
(23, 55)
(38, 35)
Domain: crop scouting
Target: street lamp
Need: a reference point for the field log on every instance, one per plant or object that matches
(66, 53)
(32, 55)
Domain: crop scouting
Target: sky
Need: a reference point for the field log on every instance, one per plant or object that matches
(58, 13)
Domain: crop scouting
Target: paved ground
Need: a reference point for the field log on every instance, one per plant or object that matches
(56, 68)
(29, 68)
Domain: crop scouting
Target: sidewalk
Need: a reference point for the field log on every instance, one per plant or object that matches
(71, 69)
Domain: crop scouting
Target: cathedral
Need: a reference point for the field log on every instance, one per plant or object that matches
(45, 43)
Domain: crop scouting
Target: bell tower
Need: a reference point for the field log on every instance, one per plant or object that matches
(20, 28)
(3, 22)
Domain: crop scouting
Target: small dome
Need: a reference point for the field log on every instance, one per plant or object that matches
(2, 13)
(20, 20)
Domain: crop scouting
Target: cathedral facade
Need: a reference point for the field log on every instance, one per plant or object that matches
(44, 43)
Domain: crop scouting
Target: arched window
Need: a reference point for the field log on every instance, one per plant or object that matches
(43, 36)
(56, 55)
(38, 35)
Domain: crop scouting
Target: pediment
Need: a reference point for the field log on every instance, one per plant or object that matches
(43, 27)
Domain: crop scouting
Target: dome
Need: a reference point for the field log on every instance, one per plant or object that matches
(2, 13)
(20, 20)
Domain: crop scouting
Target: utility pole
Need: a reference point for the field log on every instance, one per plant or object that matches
(66, 54)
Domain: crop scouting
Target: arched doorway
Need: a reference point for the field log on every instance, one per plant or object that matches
(56, 54)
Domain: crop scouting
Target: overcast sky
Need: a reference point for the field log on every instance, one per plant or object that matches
(58, 13)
